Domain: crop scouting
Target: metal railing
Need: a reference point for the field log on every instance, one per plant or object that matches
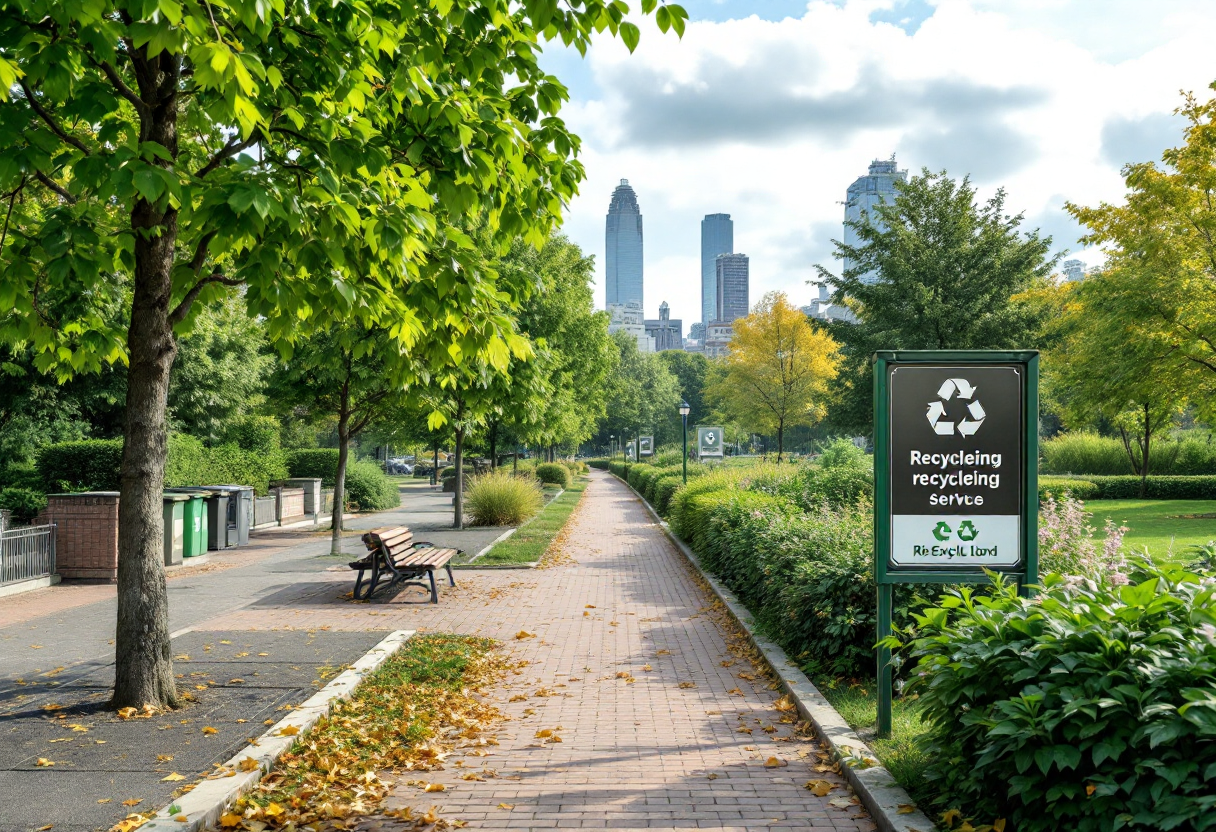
(265, 511)
(27, 552)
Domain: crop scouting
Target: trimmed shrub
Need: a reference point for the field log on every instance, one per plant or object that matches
(553, 473)
(24, 503)
(1066, 486)
(500, 499)
(664, 489)
(601, 464)
(1156, 488)
(368, 488)
(836, 486)
(84, 465)
(842, 453)
(1088, 707)
(314, 462)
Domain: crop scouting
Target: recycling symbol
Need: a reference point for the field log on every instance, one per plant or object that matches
(937, 409)
(967, 532)
(942, 530)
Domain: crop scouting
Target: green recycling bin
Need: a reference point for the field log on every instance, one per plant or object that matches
(194, 515)
(175, 528)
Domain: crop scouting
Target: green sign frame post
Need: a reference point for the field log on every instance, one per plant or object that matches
(903, 420)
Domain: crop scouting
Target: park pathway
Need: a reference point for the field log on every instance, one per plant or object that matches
(661, 724)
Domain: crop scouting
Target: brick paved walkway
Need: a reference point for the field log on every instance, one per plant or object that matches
(666, 750)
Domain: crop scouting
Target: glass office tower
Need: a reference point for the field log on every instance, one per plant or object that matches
(717, 237)
(623, 248)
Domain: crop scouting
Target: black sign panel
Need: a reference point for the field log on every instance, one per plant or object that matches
(956, 440)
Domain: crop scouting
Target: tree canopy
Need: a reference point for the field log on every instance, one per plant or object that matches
(777, 371)
(933, 269)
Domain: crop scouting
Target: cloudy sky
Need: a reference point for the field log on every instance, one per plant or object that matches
(769, 109)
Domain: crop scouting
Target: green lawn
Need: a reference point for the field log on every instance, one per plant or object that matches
(534, 537)
(1165, 527)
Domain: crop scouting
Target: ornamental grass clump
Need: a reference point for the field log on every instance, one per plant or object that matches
(1090, 706)
(500, 499)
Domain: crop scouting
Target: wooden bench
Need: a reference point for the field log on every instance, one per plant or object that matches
(393, 553)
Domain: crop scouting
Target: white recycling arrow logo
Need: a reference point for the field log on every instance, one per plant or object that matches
(937, 409)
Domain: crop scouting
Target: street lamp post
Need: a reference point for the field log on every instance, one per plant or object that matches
(684, 408)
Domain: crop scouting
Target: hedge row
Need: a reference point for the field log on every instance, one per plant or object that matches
(1128, 487)
(95, 464)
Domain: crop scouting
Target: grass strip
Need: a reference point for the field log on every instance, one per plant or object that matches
(418, 707)
(532, 538)
(902, 753)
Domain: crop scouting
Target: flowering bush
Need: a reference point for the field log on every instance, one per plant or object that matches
(1089, 707)
(1066, 543)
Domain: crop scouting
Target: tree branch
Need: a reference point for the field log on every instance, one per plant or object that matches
(121, 87)
(51, 123)
(229, 150)
(182, 309)
(54, 186)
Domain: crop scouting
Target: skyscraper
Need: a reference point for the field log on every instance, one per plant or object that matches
(623, 248)
(717, 237)
(732, 283)
(869, 191)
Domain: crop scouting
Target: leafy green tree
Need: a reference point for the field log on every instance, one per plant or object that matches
(187, 147)
(221, 370)
(690, 370)
(1164, 234)
(642, 393)
(1113, 366)
(950, 273)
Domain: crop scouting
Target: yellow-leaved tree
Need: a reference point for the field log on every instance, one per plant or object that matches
(777, 372)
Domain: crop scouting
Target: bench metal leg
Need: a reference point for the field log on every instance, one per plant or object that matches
(451, 579)
(430, 573)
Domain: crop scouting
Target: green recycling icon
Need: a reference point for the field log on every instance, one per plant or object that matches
(967, 532)
(942, 531)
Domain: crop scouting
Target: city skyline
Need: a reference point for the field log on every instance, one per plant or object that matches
(1046, 100)
(717, 237)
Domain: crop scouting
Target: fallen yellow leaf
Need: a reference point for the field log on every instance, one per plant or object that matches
(80, 728)
(590, 606)
(819, 788)
(544, 732)
(840, 802)
(274, 810)
(687, 685)
(44, 828)
(172, 778)
(105, 800)
(434, 787)
(207, 729)
(126, 713)
(506, 805)
(249, 764)
(230, 819)
(133, 801)
(775, 762)
(905, 809)
(163, 758)
(663, 653)
(622, 674)
(181, 819)
(44, 762)
(289, 730)
(522, 634)
(647, 667)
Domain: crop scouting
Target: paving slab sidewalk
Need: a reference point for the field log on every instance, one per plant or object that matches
(236, 681)
(683, 745)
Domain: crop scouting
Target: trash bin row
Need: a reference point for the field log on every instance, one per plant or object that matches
(205, 517)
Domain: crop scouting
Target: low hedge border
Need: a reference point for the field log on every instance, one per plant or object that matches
(881, 795)
(1128, 487)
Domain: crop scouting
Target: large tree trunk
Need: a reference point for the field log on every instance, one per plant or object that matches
(494, 446)
(143, 664)
(780, 439)
(335, 540)
(458, 501)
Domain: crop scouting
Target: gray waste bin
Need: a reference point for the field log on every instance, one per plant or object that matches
(240, 512)
(217, 521)
(175, 530)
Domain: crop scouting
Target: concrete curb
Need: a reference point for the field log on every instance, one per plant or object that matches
(873, 784)
(29, 586)
(211, 797)
(493, 543)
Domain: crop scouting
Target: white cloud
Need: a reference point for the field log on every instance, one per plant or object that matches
(771, 120)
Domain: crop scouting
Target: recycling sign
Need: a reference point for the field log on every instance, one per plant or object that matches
(952, 455)
(709, 441)
(937, 409)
